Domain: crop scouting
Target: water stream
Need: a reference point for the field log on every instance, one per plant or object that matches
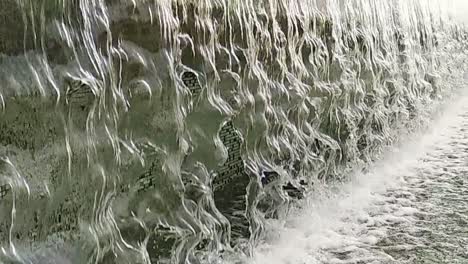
(410, 207)
(180, 131)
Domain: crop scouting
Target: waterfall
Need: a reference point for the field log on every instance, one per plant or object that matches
(168, 131)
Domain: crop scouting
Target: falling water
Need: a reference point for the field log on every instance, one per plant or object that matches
(154, 131)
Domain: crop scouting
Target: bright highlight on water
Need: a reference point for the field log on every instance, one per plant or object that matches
(230, 131)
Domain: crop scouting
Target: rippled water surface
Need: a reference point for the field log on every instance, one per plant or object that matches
(190, 131)
(412, 208)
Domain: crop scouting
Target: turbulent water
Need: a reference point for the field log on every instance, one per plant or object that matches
(410, 207)
(180, 131)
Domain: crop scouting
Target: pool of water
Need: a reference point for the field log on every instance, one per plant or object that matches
(412, 207)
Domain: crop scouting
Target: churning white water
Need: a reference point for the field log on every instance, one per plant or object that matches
(410, 207)
(214, 131)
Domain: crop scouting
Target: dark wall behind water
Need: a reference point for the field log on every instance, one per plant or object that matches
(171, 130)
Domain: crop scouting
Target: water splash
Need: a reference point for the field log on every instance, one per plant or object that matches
(138, 131)
(399, 211)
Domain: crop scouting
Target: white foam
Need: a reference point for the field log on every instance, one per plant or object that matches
(356, 217)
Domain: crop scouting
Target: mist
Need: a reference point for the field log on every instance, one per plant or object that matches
(458, 9)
